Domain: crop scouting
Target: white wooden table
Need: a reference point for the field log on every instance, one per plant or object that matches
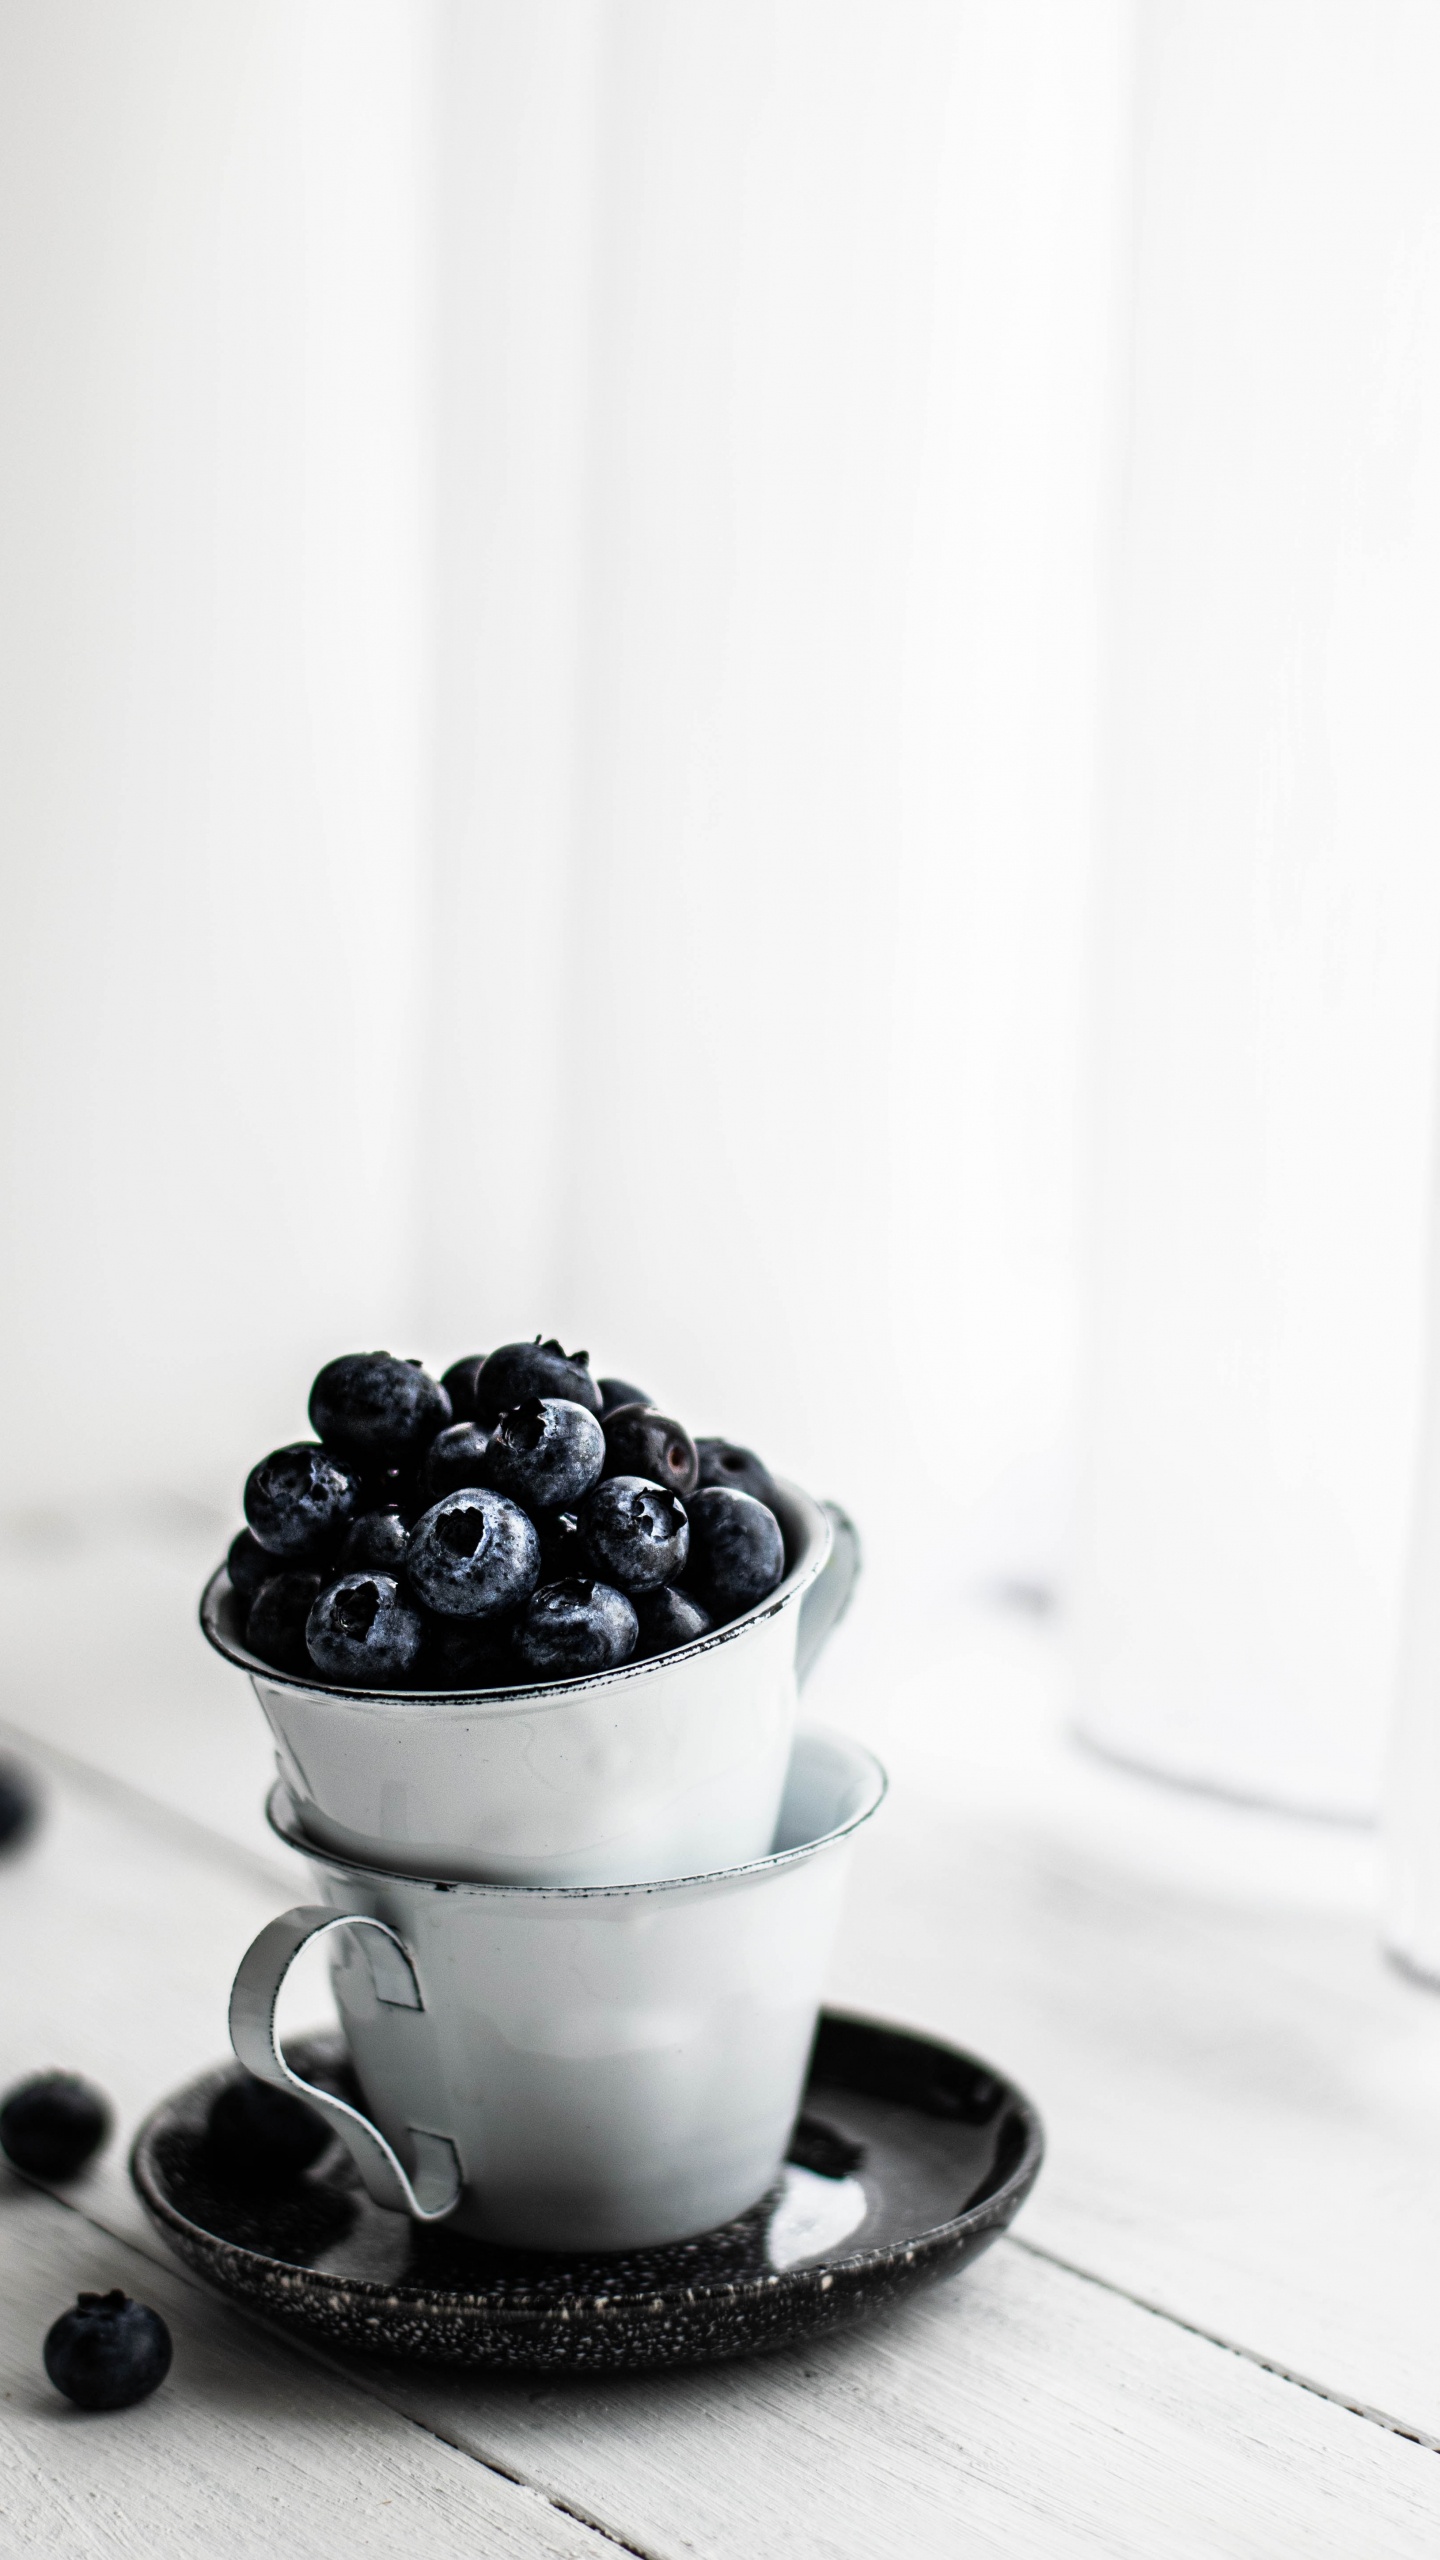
(1215, 2330)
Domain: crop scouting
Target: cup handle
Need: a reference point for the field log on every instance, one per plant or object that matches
(433, 2190)
(830, 1594)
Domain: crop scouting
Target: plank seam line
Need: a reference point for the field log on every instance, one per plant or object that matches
(311, 2349)
(186, 1828)
(502, 2471)
(1229, 2346)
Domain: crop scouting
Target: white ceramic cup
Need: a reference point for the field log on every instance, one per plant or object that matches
(594, 2067)
(664, 1768)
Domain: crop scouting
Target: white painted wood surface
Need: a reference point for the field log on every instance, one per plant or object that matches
(1017, 2412)
(1243, 2104)
(246, 2448)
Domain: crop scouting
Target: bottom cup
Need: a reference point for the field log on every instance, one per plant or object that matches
(575, 2068)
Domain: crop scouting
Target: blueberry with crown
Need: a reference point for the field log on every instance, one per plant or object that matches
(635, 1534)
(376, 1410)
(546, 1453)
(520, 1369)
(474, 1555)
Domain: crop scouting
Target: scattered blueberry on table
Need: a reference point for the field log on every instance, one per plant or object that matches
(261, 2136)
(51, 2125)
(108, 2352)
(19, 1805)
(515, 1521)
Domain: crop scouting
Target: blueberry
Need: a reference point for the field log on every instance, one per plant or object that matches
(467, 1653)
(19, 1804)
(248, 1564)
(561, 1555)
(641, 1442)
(262, 2136)
(51, 2125)
(635, 1533)
(546, 1453)
(737, 1551)
(668, 1618)
(474, 1555)
(574, 1627)
(617, 1391)
(363, 1629)
(377, 1539)
(454, 1457)
(389, 1489)
(108, 2352)
(298, 1500)
(521, 1369)
(275, 1628)
(372, 1407)
(459, 1385)
(723, 1463)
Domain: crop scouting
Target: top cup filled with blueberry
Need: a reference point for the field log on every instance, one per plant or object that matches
(514, 1625)
(515, 1521)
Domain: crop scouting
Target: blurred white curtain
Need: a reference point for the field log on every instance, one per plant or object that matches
(557, 566)
(1269, 903)
(554, 596)
(214, 655)
(777, 348)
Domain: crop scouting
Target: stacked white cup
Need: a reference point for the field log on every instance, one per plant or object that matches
(580, 1930)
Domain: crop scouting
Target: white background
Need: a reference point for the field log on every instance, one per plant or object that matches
(752, 682)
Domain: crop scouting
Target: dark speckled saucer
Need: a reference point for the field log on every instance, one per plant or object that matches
(908, 2160)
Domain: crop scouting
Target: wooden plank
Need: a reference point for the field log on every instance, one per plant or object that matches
(1016, 2412)
(104, 1659)
(246, 2448)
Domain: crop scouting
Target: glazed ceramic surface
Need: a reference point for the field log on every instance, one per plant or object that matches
(594, 2068)
(909, 2159)
(663, 1768)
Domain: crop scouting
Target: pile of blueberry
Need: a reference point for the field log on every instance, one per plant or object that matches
(516, 1520)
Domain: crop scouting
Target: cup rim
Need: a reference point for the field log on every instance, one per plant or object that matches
(281, 1801)
(815, 1547)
